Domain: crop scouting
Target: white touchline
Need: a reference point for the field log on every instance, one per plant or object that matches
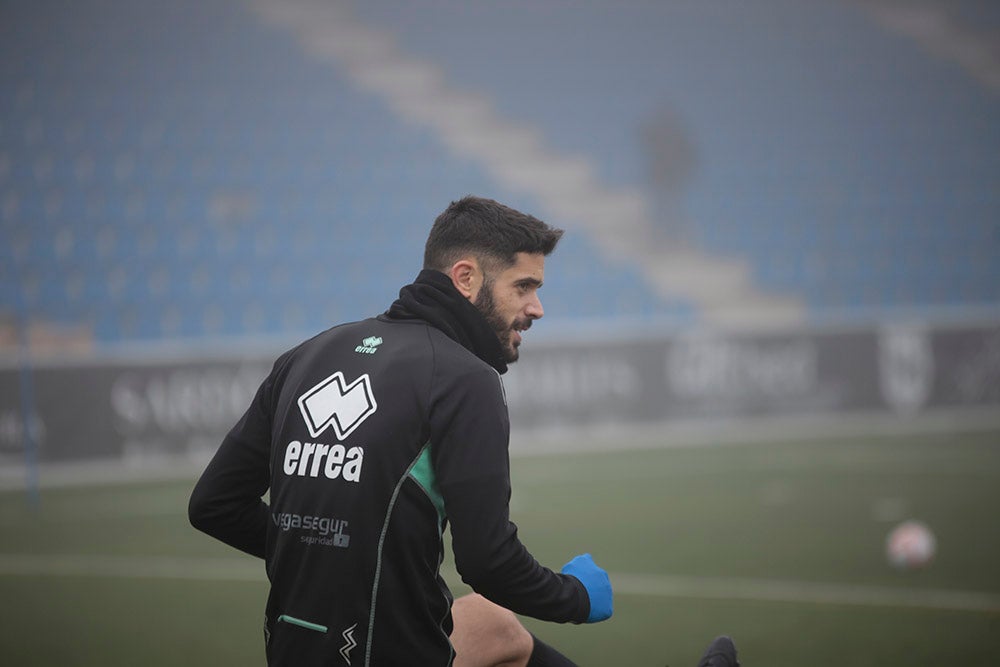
(133, 567)
(778, 590)
(250, 570)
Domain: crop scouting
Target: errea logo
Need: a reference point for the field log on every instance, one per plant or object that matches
(369, 345)
(335, 403)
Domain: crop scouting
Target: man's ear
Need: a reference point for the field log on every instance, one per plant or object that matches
(467, 277)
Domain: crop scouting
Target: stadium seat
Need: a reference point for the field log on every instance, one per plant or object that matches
(232, 173)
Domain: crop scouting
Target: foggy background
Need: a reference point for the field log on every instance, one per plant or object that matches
(782, 217)
(772, 208)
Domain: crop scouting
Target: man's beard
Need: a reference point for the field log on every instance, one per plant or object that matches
(504, 330)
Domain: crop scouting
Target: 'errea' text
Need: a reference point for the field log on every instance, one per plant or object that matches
(335, 461)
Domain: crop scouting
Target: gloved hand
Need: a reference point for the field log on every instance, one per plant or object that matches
(597, 583)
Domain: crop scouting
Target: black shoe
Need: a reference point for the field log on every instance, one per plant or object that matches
(720, 653)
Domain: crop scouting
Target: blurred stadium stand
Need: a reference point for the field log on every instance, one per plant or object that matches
(191, 170)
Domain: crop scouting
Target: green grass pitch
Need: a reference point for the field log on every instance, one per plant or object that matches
(778, 545)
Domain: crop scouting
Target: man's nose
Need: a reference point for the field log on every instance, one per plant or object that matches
(534, 308)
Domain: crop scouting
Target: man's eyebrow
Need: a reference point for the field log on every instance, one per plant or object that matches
(530, 281)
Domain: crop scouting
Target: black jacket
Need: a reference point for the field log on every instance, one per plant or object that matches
(372, 437)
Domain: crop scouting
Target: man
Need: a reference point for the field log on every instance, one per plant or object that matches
(372, 437)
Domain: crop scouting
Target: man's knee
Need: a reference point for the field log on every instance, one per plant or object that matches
(487, 634)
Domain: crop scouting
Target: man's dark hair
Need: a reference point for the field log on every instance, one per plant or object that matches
(490, 231)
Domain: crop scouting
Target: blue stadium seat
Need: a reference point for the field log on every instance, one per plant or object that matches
(238, 186)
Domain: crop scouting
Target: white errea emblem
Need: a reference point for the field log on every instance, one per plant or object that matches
(335, 403)
(345, 650)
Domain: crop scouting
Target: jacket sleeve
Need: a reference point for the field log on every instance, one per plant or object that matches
(469, 447)
(227, 500)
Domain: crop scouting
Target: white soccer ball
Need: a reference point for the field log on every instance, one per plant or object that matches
(910, 545)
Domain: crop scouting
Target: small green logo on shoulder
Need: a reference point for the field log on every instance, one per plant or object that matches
(369, 345)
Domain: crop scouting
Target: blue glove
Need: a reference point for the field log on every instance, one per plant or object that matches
(598, 586)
